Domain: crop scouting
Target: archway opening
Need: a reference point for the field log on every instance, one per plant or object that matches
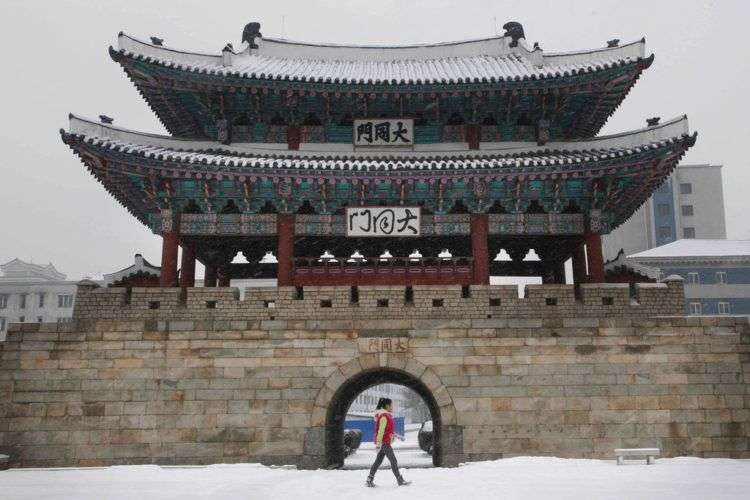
(348, 392)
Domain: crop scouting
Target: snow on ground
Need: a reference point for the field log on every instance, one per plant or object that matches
(512, 478)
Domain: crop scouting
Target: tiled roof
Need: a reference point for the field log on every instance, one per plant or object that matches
(556, 155)
(487, 60)
(140, 265)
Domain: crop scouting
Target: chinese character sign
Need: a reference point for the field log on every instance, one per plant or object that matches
(384, 132)
(384, 344)
(382, 221)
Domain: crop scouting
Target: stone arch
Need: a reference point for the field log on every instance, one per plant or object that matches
(348, 380)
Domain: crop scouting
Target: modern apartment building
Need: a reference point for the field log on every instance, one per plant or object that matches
(690, 204)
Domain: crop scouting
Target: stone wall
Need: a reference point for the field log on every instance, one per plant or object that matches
(387, 302)
(166, 388)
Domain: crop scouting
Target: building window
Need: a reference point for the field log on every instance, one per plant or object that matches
(688, 232)
(64, 301)
(41, 300)
(22, 301)
(665, 232)
(663, 209)
(3, 301)
(695, 308)
(39, 319)
(721, 278)
(22, 319)
(2, 324)
(687, 210)
(694, 278)
(686, 188)
(724, 308)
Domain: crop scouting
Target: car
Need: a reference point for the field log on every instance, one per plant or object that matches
(352, 440)
(425, 437)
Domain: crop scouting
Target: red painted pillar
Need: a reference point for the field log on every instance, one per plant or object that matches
(223, 276)
(209, 278)
(285, 250)
(187, 266)
(293, 136)
(596, 261)
(170, 244)
(473, 136)
(480, 248)
(579, 264)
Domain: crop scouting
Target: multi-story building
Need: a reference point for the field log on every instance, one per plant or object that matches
(689, 204)
(34, 293)
(365, 403)
(716, 273)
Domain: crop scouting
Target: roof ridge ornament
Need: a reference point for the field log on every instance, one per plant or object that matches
(250, 33)
(615, 42)
(514, 30)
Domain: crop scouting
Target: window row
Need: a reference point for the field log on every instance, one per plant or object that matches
(39, 319)
(665, 209)
(665, 233)
(63, 300)
(696, 308)
(694, 278)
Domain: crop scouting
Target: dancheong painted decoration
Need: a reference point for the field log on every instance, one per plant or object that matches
(329, 157)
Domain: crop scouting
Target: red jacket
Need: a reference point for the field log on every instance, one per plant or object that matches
(387, 435)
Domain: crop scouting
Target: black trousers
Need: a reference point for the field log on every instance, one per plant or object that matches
(385, 451)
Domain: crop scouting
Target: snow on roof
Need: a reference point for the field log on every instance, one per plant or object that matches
(490, 59)
(18, 269)
(491, 155)
(140, 265)
(695, 248)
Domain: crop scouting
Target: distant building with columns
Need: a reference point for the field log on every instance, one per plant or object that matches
(716, 273)
(33, 293)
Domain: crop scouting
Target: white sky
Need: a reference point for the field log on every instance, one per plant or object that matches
(55, 61)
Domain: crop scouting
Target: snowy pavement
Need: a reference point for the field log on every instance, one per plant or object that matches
(407, 452)
(513, 478)
(407, 456)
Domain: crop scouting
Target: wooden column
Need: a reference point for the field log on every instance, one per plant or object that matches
(480, 248)
(223, 276)
(170, 244)
(596, 261)
(473, 136)
(579, 264)
(285, 249)
(187, 266)
(293, 136)
(209, 278)
(560, 273)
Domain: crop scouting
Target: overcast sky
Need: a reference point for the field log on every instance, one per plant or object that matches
(55, 61)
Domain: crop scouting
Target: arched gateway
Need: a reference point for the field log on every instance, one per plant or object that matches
(363, 372)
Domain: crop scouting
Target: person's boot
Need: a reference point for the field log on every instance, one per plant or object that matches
(370, 482)
(403, 482)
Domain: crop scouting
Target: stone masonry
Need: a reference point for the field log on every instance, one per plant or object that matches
(172, 377)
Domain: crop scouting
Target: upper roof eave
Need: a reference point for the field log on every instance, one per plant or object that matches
(670, 129)
(283, 59)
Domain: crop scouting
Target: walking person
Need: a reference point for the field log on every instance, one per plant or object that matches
(384, 431)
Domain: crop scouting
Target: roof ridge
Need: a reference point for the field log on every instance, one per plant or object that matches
(466, 41)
